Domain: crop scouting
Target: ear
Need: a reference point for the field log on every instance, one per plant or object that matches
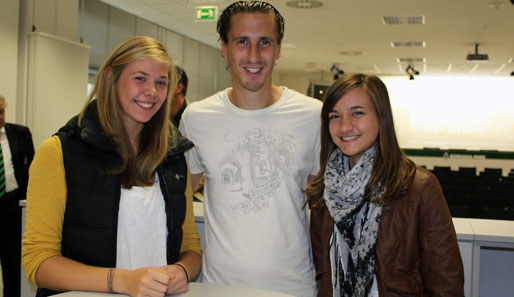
(106, 72)
(179, 88)
(224, 49)
(279, 50)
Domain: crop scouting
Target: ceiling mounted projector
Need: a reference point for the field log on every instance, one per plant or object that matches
(476, 57)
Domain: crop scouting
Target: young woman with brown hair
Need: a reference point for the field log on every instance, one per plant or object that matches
(380, 225)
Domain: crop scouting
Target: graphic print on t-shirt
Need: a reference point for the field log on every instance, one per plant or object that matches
(256, 166)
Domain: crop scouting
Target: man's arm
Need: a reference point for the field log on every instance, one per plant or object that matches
(195, 180)
(29, 144)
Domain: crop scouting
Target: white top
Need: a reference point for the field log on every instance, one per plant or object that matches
(10, 178)
(256, 164)
(142, 228)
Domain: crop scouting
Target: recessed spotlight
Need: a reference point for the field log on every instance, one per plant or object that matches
(411, 72)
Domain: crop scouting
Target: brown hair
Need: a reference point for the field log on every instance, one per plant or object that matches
(225, 19)
(392, 170)
(137, 170)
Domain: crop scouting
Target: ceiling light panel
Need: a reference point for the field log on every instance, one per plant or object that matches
(408, 44)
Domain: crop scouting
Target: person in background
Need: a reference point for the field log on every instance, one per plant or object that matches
(109, 201)
(179, 102)
(257, 144)
(380, 225)
(16, 153)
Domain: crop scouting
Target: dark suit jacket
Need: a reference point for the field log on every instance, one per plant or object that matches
(22, 152)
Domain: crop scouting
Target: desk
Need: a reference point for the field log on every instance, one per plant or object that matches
(198, 290)
(486, 246)
(493, 258)
(465, 237)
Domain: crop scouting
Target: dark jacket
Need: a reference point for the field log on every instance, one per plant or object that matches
(22, 153)
(417, 252)
(91, 219)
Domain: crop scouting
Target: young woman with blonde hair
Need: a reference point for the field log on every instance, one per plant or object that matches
(109, 202)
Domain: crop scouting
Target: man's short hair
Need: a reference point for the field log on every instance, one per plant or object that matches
(2, 100)
(224, 21)
(182, 78)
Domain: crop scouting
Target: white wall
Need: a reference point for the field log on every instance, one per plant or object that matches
(51, 65)
(469, 112)
(56, 17)
(9, 54)
(56, 85)
(33, 91)
(104, 27)
(459, 112)
(300, 81)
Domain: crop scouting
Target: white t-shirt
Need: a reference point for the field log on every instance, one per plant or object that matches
(142, 230)
(256, 163)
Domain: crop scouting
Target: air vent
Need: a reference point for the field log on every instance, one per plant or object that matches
(392, 20)
(414, 20)
(408, 44)
(411, 60)
(408, 20)
(304, 4)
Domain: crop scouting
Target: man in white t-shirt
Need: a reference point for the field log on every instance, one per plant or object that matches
(257, 144)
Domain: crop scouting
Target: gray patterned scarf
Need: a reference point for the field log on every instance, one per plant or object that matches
(354, 239)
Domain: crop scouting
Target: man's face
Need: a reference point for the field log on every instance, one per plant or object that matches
(251, 50)
(2, 114)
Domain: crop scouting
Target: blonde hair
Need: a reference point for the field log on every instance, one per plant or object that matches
(136, 170)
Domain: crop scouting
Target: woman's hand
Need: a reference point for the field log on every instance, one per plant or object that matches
(178, 279)
(149, 281)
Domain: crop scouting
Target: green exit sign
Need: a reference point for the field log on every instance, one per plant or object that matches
(206, 13)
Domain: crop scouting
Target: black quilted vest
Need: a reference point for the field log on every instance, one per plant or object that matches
(91, 218)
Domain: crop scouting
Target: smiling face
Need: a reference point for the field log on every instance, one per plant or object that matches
(251, 50)
(353, 124)
(142, 88)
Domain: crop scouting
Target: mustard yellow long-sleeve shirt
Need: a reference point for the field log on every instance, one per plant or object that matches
(46, 203)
